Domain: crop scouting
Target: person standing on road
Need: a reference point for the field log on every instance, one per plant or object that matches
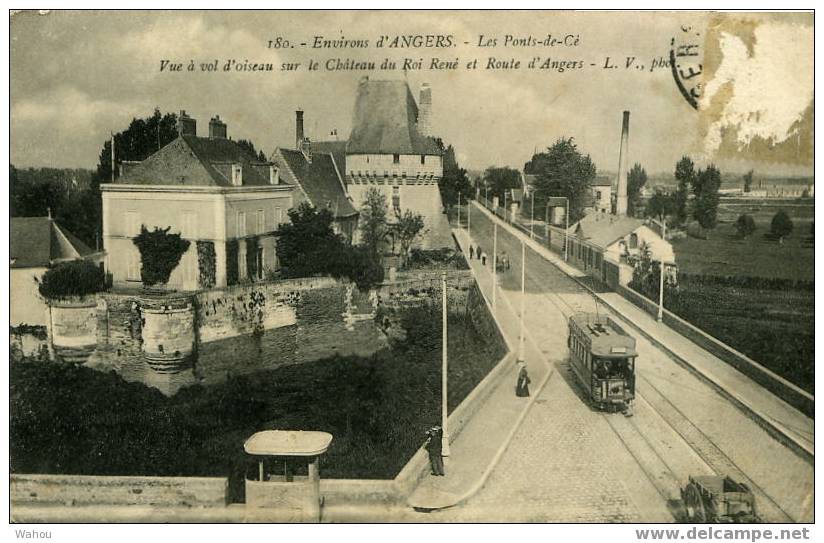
(471, 252)
(522, 385)
(434, 448)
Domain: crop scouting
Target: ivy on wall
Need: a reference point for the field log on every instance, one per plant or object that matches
(160, 253)
(206, 263)
(231, 262)
(251, 258)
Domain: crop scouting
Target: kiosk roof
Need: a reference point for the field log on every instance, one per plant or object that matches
(288, 443)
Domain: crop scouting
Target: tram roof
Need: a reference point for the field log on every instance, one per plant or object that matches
(288, 443)
(608, 339)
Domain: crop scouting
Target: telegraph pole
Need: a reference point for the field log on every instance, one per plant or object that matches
(531, 215)
(459, 209)
(566, 233)
(661, 278)
(495, 266)
(523, 292)
(444, 369)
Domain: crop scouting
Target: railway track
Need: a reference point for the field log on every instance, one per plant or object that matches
(652, 462)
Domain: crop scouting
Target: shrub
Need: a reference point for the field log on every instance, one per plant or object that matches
(75, 278)
(160, 254)
(781, 225)
(231, 262)
(745, 225)
(251, 258)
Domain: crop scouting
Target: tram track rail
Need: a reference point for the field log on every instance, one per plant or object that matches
(655, 467)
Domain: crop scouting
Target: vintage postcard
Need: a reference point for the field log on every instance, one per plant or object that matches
(412, 266)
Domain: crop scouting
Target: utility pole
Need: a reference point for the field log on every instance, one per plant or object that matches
(469, 218)
(523, 292)
(459, 209)
(444, 369)
(495, 265)
(531, 215)
(661, 278)
(566, 232)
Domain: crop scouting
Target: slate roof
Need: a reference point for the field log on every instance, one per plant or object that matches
(386, 121)
(603, 229)
(602, 181)
(319, 180)
(39, 241)
(335, 148)
(195, 161)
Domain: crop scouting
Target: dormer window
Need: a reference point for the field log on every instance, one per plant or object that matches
(237, 175)
(274, 176)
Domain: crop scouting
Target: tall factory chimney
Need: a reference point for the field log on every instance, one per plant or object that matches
(425, 110)
(623, 159)
(299, 129)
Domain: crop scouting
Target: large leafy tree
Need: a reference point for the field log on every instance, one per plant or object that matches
(705, 187)
(636, 180)
(781, 225)
(454, 181)
(408, 227)
(685, 176)
(563, 170)
(373, 223)
(501, 180)
(660, 205)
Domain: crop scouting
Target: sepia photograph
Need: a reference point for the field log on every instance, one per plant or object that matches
(412, 266)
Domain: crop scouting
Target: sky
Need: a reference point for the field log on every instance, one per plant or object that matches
(77, 76)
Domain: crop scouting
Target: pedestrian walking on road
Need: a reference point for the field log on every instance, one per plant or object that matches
(478, 252)
(471, 252)
(483, 259)
(433, 447)
(522, 385)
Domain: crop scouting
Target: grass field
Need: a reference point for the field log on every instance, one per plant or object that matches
(773, 327)
(724, 253)
(75, 420)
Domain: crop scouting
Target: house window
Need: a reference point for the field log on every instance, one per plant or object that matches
(241, 260)
(278, 218)
(189, 225)
(396, 158)
(598, 195)
(241, 224)
(423, 159)
(132, 223)
(133, 267)
(633, 241)
(261, 227)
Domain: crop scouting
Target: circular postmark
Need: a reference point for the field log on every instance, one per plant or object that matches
(686, 64)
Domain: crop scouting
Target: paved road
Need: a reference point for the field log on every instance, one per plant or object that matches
(570, 463)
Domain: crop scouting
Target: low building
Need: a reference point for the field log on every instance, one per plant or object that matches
(318, 181)
(213, 191)
(608, 246)
(36, 244)
(602, 194)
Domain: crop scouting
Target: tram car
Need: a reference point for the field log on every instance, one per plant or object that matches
(602, 356)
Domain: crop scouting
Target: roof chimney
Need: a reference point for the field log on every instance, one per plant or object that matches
(298, 129)
(186, 126)
(425, 110)
(623, 159)
(217, 128)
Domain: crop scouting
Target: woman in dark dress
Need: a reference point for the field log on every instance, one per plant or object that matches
(522, 386)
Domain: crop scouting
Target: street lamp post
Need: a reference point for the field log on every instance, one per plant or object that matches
(661, 278)
(531, 215)
(566, 231)
(505, 206)
(523, 291)
(444, 370)
(469, 218)
(459, 209)
(495, 266)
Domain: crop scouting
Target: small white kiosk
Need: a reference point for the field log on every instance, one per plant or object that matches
(287, 476)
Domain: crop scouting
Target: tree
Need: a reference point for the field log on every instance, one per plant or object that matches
(454, 180)
(501, 180)
(249, 146)
(373, 223)
(308, 246)
(705, 186)
(636, 180)
(745, 225)
(660, 205)
(562, 170)
(74, 278)
(748, 181)
(685, 175)
(408, 228)
(781, 225)
(160, 254)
